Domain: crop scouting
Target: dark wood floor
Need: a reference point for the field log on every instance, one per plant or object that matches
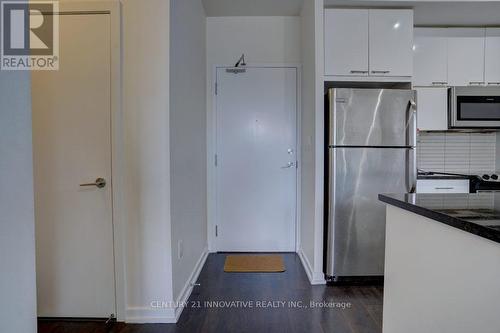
(364, 316)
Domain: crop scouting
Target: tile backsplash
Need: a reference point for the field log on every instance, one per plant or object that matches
(456, 152)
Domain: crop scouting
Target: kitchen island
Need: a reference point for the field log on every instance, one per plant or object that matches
(442, 263)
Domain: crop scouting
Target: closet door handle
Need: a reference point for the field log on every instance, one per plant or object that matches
(99, 183)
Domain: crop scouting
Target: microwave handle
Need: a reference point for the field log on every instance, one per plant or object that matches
(451, 107)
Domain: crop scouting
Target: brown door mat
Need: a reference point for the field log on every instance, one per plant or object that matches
(254, 263)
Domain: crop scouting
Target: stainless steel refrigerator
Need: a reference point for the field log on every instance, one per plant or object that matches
(371, 150)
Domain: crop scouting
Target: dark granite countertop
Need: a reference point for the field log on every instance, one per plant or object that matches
(478, 214)
(433, 175)
(441, 177)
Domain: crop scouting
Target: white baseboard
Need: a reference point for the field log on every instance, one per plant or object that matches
(188, 287)
(315, 278)
(148, 315)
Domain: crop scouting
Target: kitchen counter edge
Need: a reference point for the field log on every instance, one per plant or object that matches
(479, 230)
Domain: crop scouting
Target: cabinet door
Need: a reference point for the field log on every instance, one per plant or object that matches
(346, 42)
(432, 109)
(430, 62)
(492, 57)
(466, 56)
(390, 42)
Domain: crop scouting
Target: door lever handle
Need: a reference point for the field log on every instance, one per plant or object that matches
(288, 165)
(99, 182)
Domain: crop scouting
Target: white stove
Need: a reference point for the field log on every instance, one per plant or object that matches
(488, 181)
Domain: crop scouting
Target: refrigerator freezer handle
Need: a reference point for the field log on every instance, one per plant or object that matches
(331, 116)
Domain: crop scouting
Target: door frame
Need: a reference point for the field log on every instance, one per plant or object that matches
(211, 150)
(113, 9)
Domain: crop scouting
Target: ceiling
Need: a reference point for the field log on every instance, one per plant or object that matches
(252, 7)
(443, 13)
(426, 12)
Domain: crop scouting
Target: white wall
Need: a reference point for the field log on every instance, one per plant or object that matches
(308, 116)
(148, 275)
(311, 231)
(187, 142)
(263, 39)
(17, 221)
(252, 8)
(269, 39)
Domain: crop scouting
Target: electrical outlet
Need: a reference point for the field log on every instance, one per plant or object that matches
(180, 249)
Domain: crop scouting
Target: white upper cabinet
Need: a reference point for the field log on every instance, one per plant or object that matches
(492, 56)
(346, 42)
(432, 109)
(466, 56)
(391, 41)
(430, 61)
(368, 42)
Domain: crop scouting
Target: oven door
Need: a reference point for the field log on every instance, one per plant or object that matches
(474, 107)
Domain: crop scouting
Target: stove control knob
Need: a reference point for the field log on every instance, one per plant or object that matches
(486, 177)
(494, 176)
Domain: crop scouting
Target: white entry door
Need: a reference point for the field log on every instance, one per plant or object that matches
(256, 159)
(72, 146)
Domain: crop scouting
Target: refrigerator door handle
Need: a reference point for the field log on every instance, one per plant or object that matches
(411, 137)
(332, 167)
(411, 122)
(411, 170)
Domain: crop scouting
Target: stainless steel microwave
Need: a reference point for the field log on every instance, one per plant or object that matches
(474, 107)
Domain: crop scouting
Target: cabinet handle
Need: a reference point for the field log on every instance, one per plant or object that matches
(380, 72)
(494, 83)
(476, 83)
(439, 83)
(443, 188)
(358, 72)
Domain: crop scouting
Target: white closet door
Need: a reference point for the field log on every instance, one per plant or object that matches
(72, 146)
